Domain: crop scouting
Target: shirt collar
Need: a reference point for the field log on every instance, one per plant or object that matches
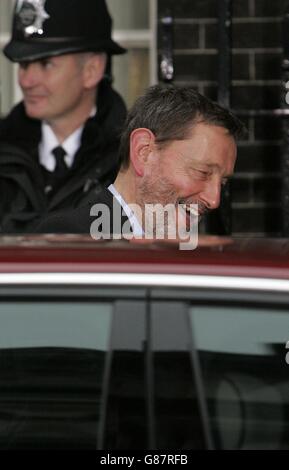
(49, 141)
(136, 227)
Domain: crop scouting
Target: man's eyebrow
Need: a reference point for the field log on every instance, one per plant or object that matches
(209, 166)
(193, 162)
(212, 165)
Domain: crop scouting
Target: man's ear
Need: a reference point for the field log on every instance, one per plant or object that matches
(141, 144)
(94, 69)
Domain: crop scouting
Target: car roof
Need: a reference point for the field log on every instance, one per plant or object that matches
(248, 257)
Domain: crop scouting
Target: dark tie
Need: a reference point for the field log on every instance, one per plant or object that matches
(61, 167)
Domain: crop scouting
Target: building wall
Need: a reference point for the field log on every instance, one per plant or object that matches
(256, 84)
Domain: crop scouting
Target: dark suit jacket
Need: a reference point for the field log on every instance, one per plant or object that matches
(107, 218)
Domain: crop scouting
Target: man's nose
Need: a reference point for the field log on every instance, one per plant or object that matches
(211, 195)
(29, 75)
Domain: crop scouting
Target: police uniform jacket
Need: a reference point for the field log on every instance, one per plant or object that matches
(23, 181)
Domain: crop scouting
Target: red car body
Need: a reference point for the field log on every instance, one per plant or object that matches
(219, 256)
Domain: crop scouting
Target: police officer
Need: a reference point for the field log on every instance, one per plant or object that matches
(60, 145)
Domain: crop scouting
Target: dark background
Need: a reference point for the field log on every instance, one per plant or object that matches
(257, 50)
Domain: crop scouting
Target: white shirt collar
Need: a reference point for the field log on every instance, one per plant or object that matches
(49, 141)
(136, 227)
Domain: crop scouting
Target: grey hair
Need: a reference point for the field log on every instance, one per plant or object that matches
(170, 112)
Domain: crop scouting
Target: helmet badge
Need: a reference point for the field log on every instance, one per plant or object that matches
(31, 16)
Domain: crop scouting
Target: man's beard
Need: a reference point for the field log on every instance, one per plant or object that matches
(154, 194)
(156, 191)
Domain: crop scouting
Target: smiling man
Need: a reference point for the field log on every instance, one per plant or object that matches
(59, 145)
(177, 150)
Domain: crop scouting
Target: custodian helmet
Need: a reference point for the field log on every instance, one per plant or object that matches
(45, 28)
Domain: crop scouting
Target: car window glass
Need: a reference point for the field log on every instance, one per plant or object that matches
(178, 423)
(246, 379)
(127, 422)
(52, 363)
